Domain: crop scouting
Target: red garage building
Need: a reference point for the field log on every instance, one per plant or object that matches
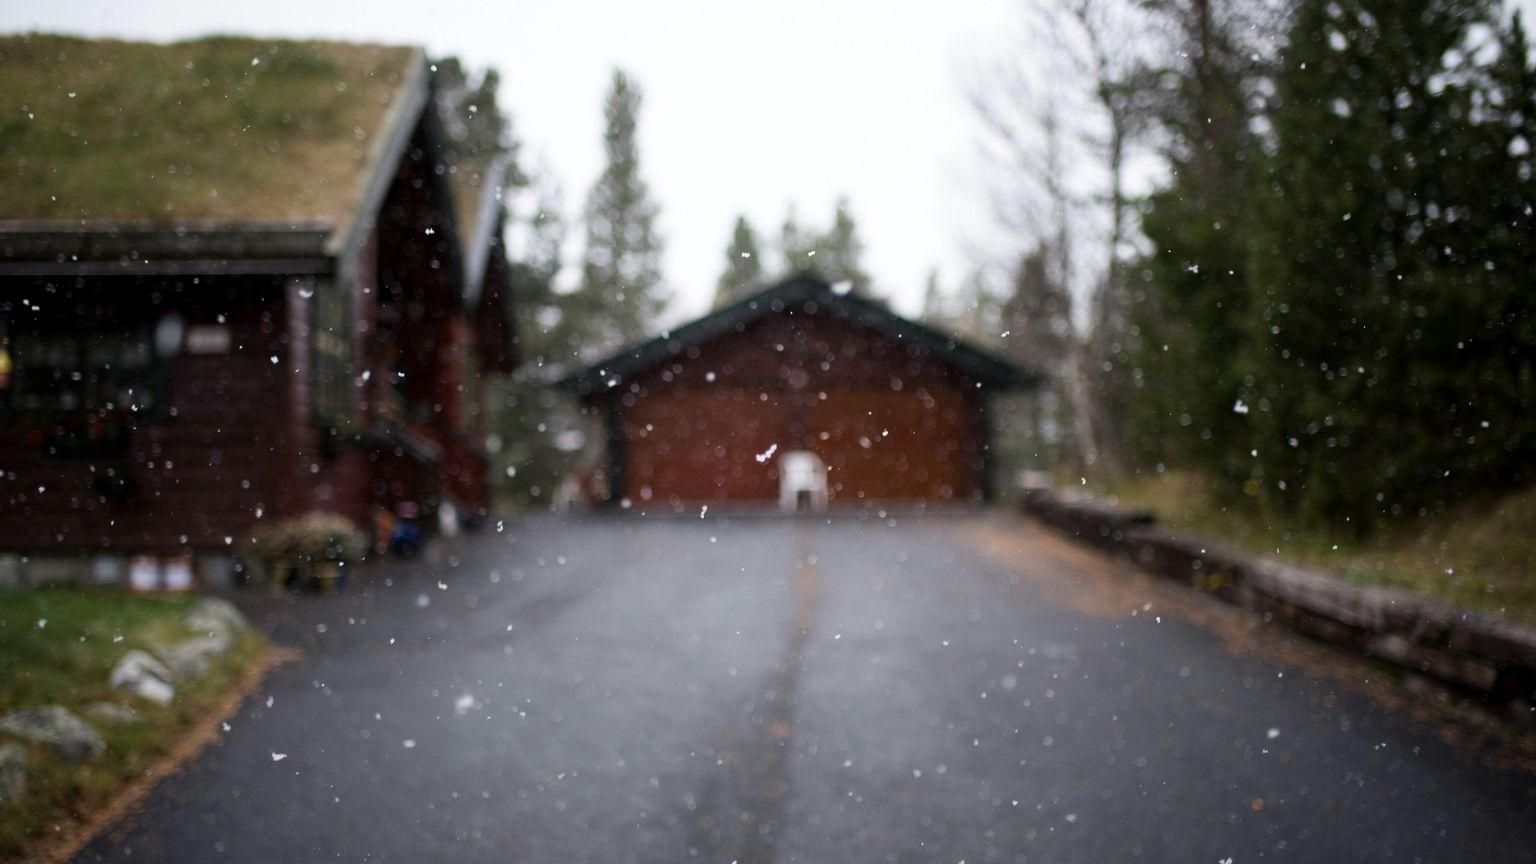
(896, 411)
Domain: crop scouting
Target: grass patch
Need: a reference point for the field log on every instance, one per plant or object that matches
(66, 661)
(214, 128)
(1482, 555)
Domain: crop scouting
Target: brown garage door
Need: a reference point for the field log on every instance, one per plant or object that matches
(691, 446)
(885, 445)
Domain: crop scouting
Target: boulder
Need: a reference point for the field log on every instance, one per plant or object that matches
(143, 676)
(211, 614)
(111, 712)
(54, 726)
(13, 772)
(215, 641)
(189, 659)
(10, 569)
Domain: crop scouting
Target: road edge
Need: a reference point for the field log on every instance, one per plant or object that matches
(1491, 659)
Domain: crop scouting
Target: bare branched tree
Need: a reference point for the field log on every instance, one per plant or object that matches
(1060, 131)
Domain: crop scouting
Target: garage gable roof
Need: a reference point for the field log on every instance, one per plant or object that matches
(797, 292)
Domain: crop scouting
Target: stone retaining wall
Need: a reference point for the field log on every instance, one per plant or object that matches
(1465, 648)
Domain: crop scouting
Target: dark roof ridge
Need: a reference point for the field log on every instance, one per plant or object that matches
(800, 288)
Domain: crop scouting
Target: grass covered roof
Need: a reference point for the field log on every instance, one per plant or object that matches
(219, 128)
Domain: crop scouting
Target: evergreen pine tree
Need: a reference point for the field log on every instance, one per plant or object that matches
(621, 291)
(797, 246)
(835, 255)
(1377, 281)
(475, 129)
(1189, 311)
(743, 272)
(840, 251)
(934, 312)
(527, 415)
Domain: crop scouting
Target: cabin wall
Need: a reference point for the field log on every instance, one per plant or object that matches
(425, 333)
(194, 475)
(890, 422)
(330, 471)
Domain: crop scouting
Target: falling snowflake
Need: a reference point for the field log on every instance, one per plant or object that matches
(764, 456)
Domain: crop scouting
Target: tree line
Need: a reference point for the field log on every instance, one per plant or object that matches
(539, 436)
(1322, 303)
(835, 254)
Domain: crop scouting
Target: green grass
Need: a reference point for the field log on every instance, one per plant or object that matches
(1482, 555)
(66, 661)
(214, 128)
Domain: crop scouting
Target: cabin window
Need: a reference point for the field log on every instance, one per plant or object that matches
(76, 390)
(64, 371)
(330, 344)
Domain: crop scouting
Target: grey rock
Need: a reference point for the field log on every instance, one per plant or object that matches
(211, 614)
(144, 676)
(56, 570)
(111, 712)
(10, 569)
(189, 659)
(216, 641)
(53, 725)
(13, 772)
(183, 659)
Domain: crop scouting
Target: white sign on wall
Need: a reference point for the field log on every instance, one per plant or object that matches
(207, 339)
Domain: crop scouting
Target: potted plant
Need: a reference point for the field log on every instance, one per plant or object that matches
(331, 543)
(317, 545)
(273, 545)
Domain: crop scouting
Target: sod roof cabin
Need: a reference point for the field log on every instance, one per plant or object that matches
(239, 279)
(716, 411)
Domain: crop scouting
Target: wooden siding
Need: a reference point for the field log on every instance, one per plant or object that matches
(194, 477)
(891, 422)
(701, 445)
(884, 445)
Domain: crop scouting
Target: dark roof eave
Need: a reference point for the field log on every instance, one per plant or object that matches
(101, 247)
(199, 267)
(608, 373)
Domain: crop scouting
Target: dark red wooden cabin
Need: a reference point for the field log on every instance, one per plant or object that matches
(172, 383)
(897, 411)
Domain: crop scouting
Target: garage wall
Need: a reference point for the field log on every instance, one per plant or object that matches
(891, 422)
(884, 445)
(688, 446)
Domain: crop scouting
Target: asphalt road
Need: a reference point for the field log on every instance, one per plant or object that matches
(756, 690)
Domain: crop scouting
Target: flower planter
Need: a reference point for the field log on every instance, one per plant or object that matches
(308, 552)
(328, 577)
(280, 573)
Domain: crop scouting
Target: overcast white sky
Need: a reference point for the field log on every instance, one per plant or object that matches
(749, 106)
